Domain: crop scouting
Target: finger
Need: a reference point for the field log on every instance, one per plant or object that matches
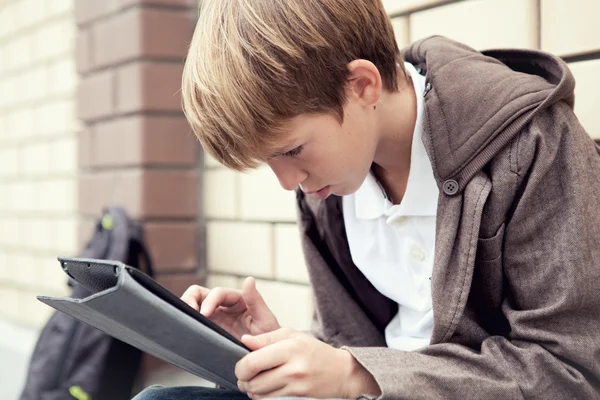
(254, 301)
(264, 383)
(194, 295)
(266, 339)
(221, 297)
(262, 360)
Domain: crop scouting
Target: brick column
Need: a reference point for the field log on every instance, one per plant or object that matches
(135, 147)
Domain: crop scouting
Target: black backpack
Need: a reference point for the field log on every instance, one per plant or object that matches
(72, 360)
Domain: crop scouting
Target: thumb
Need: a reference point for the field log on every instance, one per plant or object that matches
(265, 339)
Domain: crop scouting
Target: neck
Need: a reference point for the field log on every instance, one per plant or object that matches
(397, 118)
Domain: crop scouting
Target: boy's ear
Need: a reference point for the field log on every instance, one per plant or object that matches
(364, 81)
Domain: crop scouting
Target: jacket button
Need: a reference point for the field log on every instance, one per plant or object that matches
(450, 187)
(427, 89)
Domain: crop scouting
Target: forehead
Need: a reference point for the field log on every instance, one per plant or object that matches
(306, 125)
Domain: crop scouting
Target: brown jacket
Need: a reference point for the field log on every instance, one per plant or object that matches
(516, 279)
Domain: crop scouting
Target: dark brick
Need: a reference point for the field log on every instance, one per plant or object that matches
(166, 34)
(170, 194)
(84, 148)
(100, 189)
(144, 193)
(84, 51)
(89, 10)
(174, 3)
(144, 140)
(172, 245)
(95, 96)
(178, 283)
(149, 86)
(85, 230)
(142, 32)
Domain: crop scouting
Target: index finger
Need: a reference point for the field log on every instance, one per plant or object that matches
(194, 295)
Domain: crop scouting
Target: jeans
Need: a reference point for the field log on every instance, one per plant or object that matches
(190, 393)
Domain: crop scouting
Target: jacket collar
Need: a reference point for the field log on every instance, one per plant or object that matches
(470, 132)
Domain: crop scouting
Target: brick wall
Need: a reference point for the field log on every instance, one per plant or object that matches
(566, 28)
(250, 231)
(135, 148)
(38, 153)
(250, 220)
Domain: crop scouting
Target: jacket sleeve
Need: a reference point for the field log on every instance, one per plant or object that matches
(551, 263)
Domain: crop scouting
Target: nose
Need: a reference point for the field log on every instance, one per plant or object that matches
(289, 175)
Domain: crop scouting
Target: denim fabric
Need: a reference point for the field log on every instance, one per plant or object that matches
(190, 393)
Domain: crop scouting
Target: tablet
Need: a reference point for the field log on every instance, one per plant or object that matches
(130, 306)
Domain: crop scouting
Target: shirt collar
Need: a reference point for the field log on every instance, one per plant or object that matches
(421, 195)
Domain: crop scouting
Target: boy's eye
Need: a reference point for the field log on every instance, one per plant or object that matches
(294, 152)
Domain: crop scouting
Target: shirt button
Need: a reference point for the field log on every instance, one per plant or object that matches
(418, 254)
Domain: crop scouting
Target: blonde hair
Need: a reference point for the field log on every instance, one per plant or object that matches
(254, 64)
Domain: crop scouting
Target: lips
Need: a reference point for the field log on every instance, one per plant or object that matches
(321, 194)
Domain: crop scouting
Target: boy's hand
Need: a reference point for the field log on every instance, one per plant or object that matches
(287, 363)
(239, 312)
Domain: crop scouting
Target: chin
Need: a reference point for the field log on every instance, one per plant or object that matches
(344, 191)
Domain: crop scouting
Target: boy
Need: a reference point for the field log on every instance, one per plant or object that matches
(447, 206)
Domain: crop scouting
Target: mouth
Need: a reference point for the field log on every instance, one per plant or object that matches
(322, 193)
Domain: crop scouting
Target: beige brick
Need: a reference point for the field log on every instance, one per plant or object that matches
(2, 126)
(3, 197)
(56, 117)
(24, 270)
(7, 19)
(10, 92)
(9, 161)
(50, 276)
(65, 240)
(17, 53)
(24, 196)
(402, 6)
(481, 24)
(33, 85)
(20, 123)
(32, 311)
(587, 76)
(63, 156)
(263, 199)
(57, 195)
(9, 298)
(210, 161)
(291, 304)
(36, 233)
(400, 25)
(4, 267)
(35, 159)
(62, 77)
(570, 27)
(220, 193)
(9, 231)
(289, 259)
(28, 13)
(226, 281)
(58, 7)
(54, 39)
(240, 248)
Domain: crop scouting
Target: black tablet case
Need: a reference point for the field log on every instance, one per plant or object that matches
(130, 306)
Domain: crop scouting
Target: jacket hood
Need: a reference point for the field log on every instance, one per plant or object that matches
(476, 103)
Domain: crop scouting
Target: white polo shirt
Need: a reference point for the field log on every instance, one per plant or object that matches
(393, 245)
